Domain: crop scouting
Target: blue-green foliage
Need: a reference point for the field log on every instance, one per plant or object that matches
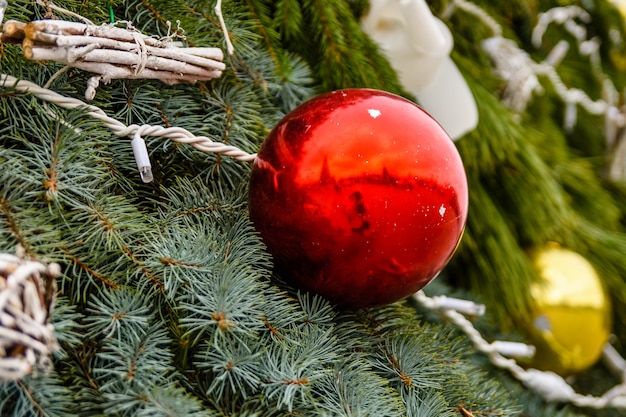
(167, 303)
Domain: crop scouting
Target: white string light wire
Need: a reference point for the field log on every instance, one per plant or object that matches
(177, 134)
(548, 385)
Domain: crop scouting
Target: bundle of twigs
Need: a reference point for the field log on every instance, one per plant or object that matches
(113, 52)
(27, 291)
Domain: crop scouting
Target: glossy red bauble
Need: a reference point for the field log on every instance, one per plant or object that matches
(360, 196)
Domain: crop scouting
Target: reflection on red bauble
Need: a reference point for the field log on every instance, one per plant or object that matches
(360, 196)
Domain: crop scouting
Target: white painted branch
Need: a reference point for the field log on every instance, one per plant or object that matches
(39, 29)
(76, 56)
(13, 29)
(110, 72)
(202, 57)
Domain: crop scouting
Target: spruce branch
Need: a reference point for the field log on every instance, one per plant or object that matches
(329, 37)
(427, 402)
(317, 311)
(233, 368)
(372, 397)
(284, 321)
(172, 401)
(117, 314)
(19, 223)
(222, 308)
(43, 395)
(405, 364)
(189, 230)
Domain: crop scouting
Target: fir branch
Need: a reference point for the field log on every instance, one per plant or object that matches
(497, 137)
(403, 361)
(291, 370)
(606, 257)
(260, 13)
(291, 73)
(586, 193)
(352, 389)
(43, 395)
(288, 19)
(220, 331)
(428, 402)
(233, 368)
(339, 52)
(172, 401)
(120, 313)
(489, 230)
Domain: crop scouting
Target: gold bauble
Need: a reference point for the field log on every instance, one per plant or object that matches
(572, 318)
(616, 54)
(620, 5)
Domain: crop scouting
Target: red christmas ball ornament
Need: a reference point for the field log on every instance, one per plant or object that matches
(360, 196)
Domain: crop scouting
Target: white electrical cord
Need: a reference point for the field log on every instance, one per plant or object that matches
(177, 134)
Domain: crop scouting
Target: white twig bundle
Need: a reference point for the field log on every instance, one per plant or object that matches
(113, 52)
(26, 296)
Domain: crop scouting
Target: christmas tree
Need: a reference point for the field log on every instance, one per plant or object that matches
(159, 297)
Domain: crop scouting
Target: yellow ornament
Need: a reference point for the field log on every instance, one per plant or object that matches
(616, 54)
(621, 6)
(572, 318)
